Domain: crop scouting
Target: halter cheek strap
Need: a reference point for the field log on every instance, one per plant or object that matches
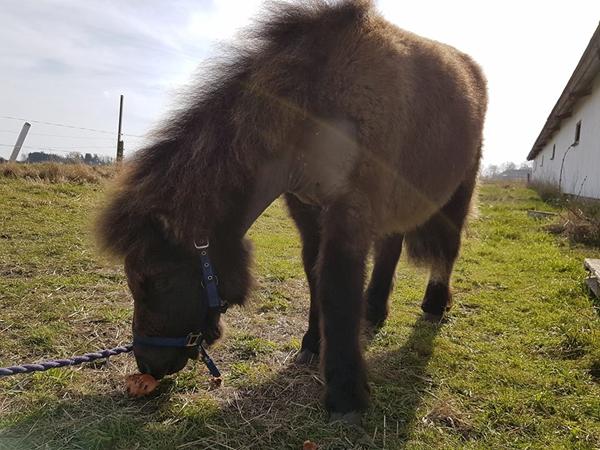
(209, 283)
(210, 280)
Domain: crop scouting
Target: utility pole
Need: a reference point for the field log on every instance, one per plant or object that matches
(119, 140)
(20, 140)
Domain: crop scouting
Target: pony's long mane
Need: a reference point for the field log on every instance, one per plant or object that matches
(247, 107)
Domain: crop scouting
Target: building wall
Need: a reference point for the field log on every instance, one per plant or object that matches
(581, 168)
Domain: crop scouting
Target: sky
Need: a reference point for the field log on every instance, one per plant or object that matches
(67, 61)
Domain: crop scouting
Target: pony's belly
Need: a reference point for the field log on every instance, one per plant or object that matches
(402, 217)
(399, 207)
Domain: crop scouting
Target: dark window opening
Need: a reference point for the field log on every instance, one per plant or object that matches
(542, 164)
(577, 133)
(553, 151)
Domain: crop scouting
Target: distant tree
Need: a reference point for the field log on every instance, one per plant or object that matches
(490, 171)
(496, 171)
(105, 160)
(525, 165)
(70, 158)
(75, 158)
(509, 165)
(38, 157)
(96, 160)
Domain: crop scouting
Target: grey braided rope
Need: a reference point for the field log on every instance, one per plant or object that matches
(54, 363)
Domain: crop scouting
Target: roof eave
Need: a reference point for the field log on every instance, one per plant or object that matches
(578, 86)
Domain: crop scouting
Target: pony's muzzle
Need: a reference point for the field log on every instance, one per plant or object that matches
(160, 361)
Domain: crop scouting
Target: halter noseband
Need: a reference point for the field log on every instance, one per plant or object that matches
(209, 283)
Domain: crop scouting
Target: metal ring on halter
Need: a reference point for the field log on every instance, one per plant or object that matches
(203, 246)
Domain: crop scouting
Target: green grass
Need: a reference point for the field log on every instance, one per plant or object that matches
(517, 365)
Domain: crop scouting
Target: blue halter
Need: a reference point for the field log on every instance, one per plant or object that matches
(209, 283)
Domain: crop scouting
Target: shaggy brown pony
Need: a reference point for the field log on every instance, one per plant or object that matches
(372, 133)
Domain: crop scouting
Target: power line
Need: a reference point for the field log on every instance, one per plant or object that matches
(54, 124)
(52, 149)
(45, 149)
(77, 137)
(37, 148)
(75, 147)
(66, 136)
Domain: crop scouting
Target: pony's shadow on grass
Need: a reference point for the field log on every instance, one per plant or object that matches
(281, 411)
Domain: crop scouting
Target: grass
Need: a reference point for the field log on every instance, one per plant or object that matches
(517, 365)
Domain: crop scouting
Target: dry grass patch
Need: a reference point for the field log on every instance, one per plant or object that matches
(57, 172)
(578, 218)
(579, 222)
(448, 415)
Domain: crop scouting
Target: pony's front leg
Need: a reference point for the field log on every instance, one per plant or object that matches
(343, 251)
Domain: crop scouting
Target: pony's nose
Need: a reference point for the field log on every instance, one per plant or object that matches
(154, 367)
(159, 361)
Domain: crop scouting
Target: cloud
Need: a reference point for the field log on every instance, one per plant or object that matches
(68, 60)
(221, 21)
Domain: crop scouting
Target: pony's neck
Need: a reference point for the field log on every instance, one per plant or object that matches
(271, 180)
(230, 253)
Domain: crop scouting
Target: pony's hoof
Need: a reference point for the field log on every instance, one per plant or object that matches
(433, 318)
(376, 319)
(351, 418)
(370, 331)
(306, 357)
(373, 325)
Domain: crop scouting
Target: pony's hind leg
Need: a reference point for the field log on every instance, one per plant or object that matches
(437, 243)
(387, 253)
(306, 218)
(438, 296)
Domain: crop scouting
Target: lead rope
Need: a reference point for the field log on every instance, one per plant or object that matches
(90, 357)
(56, 363)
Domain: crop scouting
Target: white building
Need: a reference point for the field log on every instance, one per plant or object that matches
(567, 151)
